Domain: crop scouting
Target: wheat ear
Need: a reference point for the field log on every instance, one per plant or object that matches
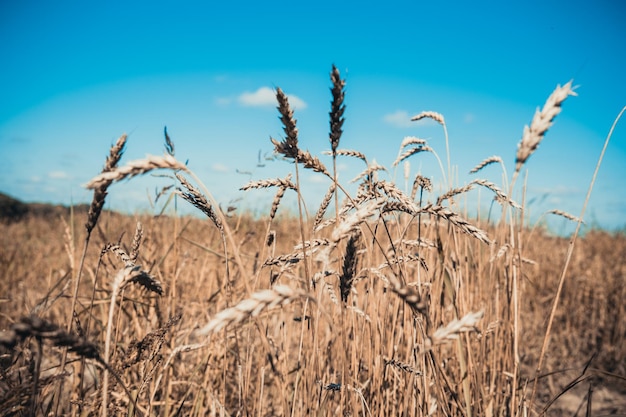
(197, 199)
(337, 108)
(540, 124)
(452, 330)
(438, 117)
(252, 307)
(349, 267)
(134, 168)
(485, 162)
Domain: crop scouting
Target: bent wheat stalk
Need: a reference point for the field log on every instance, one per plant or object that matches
(570, 251)
(540, 124)
(252, 307)
(136, 167)
(127, 275)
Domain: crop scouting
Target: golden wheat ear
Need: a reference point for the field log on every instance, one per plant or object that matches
(337, 108)
(252, 307)
(540, 124)
(100, 192)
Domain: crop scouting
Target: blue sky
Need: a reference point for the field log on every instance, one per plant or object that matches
(76, 75)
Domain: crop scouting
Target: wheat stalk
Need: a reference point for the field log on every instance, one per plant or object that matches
(169, 145)
(351, 222)
(319, 216)
(438, 117)
(411, 140)
(134, 168)
(456, 220)
(252, 307)
(452, 330)
(420, 182)
(501, 197)
(349, 152)
(566, 215)
(120, 253)
(136, 243)
(33, 326)
(349, 266)
(115, 154)
(371, 169)
(272, 182)
(337, 109)
(485, 162)
(95, 209)
(288, 147)
(402, 366)
(298, 253)
(197, 199)
(540, 124)
(453, 192)
(41, 329)
(411, 151)
(125, 276)
(392, 191)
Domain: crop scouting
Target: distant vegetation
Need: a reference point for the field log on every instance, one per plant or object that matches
(12, 209)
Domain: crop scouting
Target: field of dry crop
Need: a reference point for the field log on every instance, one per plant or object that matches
(384, 303)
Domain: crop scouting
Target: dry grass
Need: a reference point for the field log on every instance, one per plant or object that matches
(390, 304)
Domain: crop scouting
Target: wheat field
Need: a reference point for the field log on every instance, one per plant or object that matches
(374, 302)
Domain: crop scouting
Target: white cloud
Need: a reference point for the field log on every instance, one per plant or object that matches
(398, 119)
(58, 175)
(266, 97)
(217, 167)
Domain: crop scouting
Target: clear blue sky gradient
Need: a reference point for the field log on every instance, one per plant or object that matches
(76, 75)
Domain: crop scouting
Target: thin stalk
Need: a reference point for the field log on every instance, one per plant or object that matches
(570, 251)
